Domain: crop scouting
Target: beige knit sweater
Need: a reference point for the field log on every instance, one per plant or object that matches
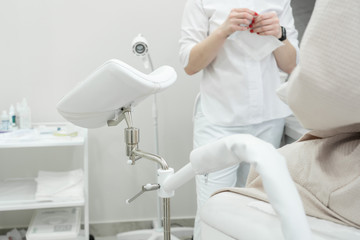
(325, 165)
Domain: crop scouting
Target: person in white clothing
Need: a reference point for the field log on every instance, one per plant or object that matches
(237, 89)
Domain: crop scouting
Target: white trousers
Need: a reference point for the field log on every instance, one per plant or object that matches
(206, 132)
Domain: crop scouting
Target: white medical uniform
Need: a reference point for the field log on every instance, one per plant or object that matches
(237, 93)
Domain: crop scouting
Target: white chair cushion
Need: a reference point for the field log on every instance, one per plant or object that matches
(229, 215)
(111, 86)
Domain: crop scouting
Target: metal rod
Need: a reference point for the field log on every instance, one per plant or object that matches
(128, 118)
(166, 201)
(152, 157)
(167, 224)
(131, 139)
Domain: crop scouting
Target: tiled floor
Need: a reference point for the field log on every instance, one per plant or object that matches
(180, 228)
(179, 233)
(182, 233)
(106, 238)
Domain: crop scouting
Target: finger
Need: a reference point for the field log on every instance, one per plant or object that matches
(269, 32)
(251, 12)
(241, 15)
(243, 28)
(263, 29)
(239, 22)
(266, 22)
(268, 15)
(265, 16)
(240, 26)
(242, 19)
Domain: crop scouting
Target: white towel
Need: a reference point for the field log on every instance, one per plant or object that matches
(255, 46)
(60, 186)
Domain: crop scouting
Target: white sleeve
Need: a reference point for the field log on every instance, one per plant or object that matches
(287, 20)
(194, 28)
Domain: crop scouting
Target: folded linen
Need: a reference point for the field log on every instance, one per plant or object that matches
(60, 186)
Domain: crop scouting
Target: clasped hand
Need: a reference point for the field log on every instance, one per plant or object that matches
(243, 19)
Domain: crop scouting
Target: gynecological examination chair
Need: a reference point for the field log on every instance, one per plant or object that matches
(306, 190)
(107, 97)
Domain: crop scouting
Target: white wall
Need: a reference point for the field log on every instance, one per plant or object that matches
(47, 47)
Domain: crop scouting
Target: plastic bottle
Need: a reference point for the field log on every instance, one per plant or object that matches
(4, 121)
(25, 115)
(18, 114)
(12, 118)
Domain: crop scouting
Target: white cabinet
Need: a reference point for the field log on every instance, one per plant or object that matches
(21, 157)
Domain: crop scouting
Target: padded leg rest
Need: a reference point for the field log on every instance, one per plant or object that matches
(228, 216)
